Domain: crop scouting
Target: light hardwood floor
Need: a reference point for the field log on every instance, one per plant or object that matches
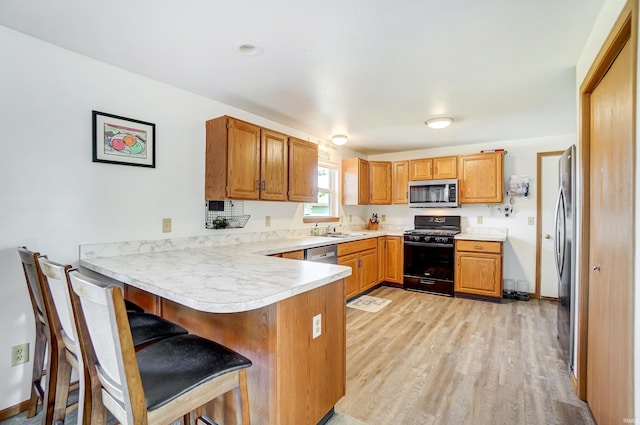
(426, 359)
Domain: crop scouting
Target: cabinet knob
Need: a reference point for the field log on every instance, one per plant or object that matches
(547, 236)
(596, 268)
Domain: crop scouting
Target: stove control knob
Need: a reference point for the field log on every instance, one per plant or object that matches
(415, 238)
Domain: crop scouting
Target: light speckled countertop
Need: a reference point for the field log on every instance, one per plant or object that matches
(217, 278)
(483, 234)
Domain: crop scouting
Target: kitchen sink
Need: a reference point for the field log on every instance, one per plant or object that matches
(345, 235)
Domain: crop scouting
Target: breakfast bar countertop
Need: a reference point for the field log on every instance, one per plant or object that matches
(217, 279)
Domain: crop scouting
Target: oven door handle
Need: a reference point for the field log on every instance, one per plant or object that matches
(429, 245)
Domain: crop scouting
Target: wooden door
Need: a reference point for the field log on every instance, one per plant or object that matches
(394, 259)
(380, 179)
(611, 276)
(303, 171)
(481, 178)
(368, 269)
(421, 169)
(445, 167)
(400, 182)
(273, 166)
(352, 283)
(243, 172)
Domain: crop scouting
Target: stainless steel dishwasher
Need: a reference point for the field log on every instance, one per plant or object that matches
(322, 254)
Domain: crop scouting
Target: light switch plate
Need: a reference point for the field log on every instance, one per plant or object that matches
(532, 221)
(480, 219)
(267, 220)
(166, 225)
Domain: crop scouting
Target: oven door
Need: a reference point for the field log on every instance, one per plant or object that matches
(429, 267)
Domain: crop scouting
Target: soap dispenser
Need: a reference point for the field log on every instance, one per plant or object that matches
(316, 230)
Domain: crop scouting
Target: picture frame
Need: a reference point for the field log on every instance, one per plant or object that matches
(125, 141)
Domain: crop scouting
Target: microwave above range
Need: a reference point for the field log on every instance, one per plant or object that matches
(433, 194)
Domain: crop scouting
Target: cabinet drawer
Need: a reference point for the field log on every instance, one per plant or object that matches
(356, 246)
(479, 246)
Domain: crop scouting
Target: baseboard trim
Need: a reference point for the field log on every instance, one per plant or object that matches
(14, 410)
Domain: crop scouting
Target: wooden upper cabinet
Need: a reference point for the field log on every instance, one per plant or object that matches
(421, 169)
(400, 182)
(232, 159)
(481, 178)
(355, 181)
(445, 167)
(380, 178)
(273, 166)
(303, 170)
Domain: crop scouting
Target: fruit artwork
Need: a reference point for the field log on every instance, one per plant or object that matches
(124, 141)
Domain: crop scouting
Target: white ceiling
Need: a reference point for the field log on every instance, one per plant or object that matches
(373, 69)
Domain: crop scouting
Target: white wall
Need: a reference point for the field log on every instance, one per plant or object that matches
(53, 197)
(601, 29)
(521, 157)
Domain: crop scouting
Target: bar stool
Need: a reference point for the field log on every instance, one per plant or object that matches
(42, 363)
(145, 329)
(156, 385)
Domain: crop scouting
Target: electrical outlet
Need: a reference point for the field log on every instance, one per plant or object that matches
(350, 218)
(267, 220)
(480, 219)
(317, 325)
(166, 225)
(19, 354)
(532, 221)
(383, 218)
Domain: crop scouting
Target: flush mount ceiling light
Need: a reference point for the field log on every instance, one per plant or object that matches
(248, 49)
(439, 122)
(339, 139)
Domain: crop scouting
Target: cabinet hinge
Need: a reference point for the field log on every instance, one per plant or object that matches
(228, 126)
(226, 188)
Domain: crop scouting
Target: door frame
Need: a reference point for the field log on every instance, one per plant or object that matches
(540, 156)
(623, 31)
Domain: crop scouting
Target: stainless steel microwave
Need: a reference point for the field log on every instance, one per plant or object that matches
(433, 193)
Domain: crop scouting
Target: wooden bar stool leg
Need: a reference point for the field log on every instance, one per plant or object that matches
(242, 399)
(40, 348)
(62, 389)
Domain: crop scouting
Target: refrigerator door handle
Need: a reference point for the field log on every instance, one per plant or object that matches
(560, 232)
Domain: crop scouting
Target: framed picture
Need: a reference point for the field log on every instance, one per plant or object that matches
(120, 140)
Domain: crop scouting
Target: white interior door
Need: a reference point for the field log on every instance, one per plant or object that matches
(549, 179)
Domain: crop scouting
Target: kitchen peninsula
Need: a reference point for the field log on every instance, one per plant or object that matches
(261, 306)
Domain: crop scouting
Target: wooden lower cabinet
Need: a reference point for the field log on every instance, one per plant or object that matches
(295, 378)
(479, 268)
(394, 256)
(362, 257)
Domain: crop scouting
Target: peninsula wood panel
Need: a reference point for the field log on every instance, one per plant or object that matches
(295, 379)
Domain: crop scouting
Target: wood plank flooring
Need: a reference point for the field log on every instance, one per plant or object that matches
(426, 359)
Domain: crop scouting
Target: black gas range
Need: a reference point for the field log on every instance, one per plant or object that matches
(429, 249)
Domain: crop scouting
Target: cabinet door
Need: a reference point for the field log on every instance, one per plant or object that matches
(273, 166)
(481, 178)
(368, 269)
(382, 258)
(294, 255)
(394, 268)
(445, 167)
(478, 274)
(243, 172)
(400, 182)
(355, 181)
(352, 283)
(421, 169)
(380, 178)
(303, 171)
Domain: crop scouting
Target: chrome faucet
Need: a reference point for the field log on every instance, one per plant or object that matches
(331, 229)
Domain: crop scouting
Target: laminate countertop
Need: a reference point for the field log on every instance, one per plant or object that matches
(217, 278)
(483, 234)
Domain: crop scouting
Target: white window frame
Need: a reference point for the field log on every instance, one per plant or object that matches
(335, 196)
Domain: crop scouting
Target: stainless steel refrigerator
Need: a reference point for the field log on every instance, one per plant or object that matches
(565, 253)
